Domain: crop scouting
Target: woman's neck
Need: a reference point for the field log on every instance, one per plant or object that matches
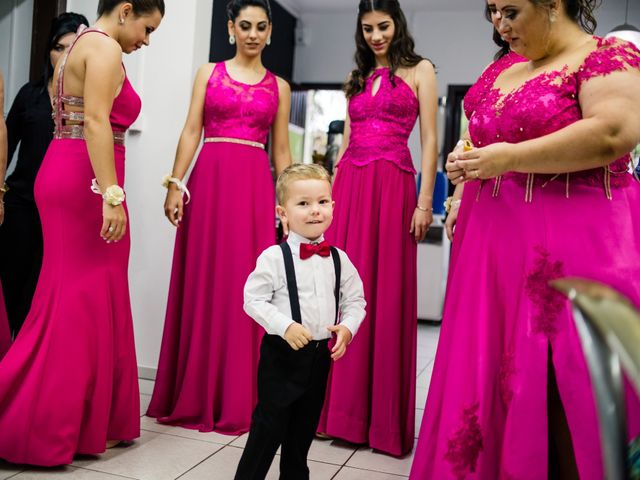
(565, 38)
(382, 62)
(248, 63)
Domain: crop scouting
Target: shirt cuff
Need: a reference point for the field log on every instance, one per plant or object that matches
(352, 324)
(281, 324)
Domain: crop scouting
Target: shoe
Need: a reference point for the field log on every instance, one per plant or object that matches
(113, 443)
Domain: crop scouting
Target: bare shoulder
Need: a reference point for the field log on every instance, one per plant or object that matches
(283, 86)
(204, 72)
(102, 45)
(425, 68)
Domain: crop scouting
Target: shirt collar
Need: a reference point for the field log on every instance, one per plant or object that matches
(294, 240)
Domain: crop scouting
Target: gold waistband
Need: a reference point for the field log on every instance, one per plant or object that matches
(77, 132)
(239, 141)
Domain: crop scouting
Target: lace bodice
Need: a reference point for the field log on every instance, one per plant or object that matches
(239, 110)
(381, 123)
(545, 103)
(124, 111)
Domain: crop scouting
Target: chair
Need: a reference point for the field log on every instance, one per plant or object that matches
(609, 329)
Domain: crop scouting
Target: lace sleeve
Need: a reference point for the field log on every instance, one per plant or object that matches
(611, 55)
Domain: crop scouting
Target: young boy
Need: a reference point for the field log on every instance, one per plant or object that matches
(295, 293)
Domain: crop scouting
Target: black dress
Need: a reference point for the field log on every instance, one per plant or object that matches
(29, 125)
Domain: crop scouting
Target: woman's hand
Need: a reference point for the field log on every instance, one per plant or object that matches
(174, 205)
(114, 222)
(455, 173)
(452, 218)
(420, 223)
(481, 163)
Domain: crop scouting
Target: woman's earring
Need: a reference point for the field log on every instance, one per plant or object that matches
(269, 41)
(121, 21)
(232, 39)
(553, 16)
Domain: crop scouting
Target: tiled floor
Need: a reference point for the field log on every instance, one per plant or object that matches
(168, 453)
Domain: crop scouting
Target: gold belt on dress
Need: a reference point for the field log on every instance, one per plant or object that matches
(239, 141)
(77, 132)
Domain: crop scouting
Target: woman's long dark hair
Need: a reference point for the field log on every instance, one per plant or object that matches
(497, 38)
(60, 26)
(401, 51)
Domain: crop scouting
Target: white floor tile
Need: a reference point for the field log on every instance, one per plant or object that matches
(154, 456)
(335, 452)
(367, 459)
(421, 397)
(419, 415)
(348, 473)
(221, 466)
(151, 425)
(424, 377)
(68, 473)
(317, 470)
(8, 470)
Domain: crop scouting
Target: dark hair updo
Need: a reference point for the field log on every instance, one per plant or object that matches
(580, 11)
(140, 7)
(234, 7)
(401, 50)
(60, 26)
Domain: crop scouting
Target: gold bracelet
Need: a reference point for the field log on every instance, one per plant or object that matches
(4, 188)
(424, 209)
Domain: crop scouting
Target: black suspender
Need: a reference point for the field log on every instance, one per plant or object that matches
(337, 267)
(292, 285)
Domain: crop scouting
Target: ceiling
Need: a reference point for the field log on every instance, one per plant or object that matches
(298, 7)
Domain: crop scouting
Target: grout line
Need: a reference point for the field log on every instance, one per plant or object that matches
(222, 447)
(104, 473)
(189, 438)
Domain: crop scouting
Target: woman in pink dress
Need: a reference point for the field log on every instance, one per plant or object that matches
(69, 382)
(378, 222)
(547, 194)
(208, 362)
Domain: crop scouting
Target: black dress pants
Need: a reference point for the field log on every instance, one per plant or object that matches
(291, 390)
(20, 260)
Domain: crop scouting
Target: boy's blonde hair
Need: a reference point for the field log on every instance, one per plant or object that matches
(298, 171)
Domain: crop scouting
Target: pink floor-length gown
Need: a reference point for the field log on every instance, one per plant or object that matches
(371, 392)
(210, 348)
(486, 413)
(69, 382)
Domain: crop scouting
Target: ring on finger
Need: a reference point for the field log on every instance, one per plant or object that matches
(477, 173)
(110, 229)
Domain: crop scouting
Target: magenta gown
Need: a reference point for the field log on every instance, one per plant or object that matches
(210, 348)
(69, 382)
(486, 413)
(371, 392)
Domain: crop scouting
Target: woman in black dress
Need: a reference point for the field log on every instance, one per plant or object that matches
(29, 124)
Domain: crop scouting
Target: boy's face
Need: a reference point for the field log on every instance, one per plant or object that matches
(308, 210)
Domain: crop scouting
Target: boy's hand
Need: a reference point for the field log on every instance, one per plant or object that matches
(297, 336)
(343, 337)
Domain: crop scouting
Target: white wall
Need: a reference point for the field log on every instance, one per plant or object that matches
(15, 37)
(163, 75)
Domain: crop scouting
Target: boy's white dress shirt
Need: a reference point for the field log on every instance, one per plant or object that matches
(266, 298)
